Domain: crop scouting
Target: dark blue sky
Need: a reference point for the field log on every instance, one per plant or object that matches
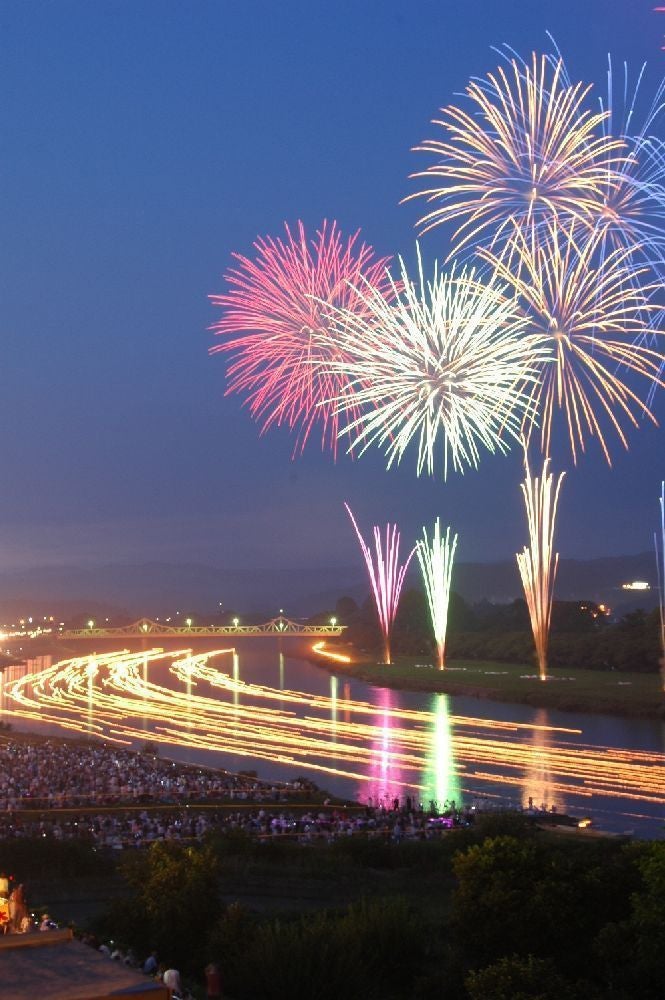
(142, 142)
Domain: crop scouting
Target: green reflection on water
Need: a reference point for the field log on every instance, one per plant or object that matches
(441, 779)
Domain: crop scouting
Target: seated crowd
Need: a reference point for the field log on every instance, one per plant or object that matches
(50, 775)
(139, 828)
(37, 779)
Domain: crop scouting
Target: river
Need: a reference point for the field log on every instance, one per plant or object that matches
(264, 708)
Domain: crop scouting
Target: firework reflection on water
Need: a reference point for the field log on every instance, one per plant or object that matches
(380, 746)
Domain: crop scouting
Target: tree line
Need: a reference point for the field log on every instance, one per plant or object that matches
(582, 633)
(511, 912)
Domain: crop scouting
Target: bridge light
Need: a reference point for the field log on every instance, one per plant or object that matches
(236, 622)
(188, 622)
(91, 624)
(333, 621)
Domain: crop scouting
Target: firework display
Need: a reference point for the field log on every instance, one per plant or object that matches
(633, 212)
(274, 328)
(386, 576)
(560, 198)
(564, 203)
(528, 148)
(595, 320)
(436, 559)
(537, 562)
(633, 206)
(446, 363)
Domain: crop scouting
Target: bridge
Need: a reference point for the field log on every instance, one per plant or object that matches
(147, 628)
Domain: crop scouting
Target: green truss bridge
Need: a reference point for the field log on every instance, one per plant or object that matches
(146, 627)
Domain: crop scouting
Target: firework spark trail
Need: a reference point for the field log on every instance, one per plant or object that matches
(593, 318)
(527, 149)
(630, 214)
(660, 10)
(446, 363)
(660, 567)
(538, 562)
(481, 751)
(436, 564)
(274, 327)
(386, 577)
(633, 206)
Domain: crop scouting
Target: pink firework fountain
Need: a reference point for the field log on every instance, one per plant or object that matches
(386, 576)
(275, 325)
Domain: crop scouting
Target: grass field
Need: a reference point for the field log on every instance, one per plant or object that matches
(626, 694)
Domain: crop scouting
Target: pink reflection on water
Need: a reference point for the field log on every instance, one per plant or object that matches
(386, 778)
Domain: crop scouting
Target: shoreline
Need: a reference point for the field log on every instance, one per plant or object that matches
(425, 678)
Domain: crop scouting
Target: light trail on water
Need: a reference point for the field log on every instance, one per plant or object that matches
(383, 746)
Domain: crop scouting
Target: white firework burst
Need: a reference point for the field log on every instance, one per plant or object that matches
(446, 363)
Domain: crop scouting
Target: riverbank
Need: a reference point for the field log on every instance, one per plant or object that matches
(628, 695)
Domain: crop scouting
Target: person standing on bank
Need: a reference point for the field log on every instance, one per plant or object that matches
(213, 982)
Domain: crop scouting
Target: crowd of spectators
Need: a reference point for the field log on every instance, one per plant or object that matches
(120, 830)
(53, 775)
(37, 779)
(151, 966)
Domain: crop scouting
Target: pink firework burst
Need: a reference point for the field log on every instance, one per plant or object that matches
(275, 326)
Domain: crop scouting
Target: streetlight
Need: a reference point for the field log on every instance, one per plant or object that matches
(236, 621)
(91, 624)
(333, 621)
(188, 622)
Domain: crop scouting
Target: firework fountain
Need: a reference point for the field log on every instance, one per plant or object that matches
(436, 563)
(386, 576)
(538, 562)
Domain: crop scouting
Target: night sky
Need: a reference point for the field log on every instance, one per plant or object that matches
(142, 142)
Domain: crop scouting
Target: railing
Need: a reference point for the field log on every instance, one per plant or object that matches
(147, 627)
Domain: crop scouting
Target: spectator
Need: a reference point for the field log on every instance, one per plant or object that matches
(171, 979)
(213, 982)
(150, 964)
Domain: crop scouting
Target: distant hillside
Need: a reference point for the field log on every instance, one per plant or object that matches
(163, 588)
(598, 580)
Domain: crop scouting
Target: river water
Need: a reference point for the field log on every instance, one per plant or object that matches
(264, 708)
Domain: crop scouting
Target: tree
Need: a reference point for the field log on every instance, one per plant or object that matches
(346, 610)
(631, 951)
(517, 978)
(577, 616)
(528, 898)
(412, 632)
(461, 617)
(174, 902)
